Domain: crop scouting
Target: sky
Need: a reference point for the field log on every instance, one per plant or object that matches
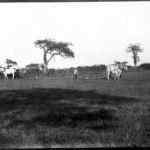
(99, 31)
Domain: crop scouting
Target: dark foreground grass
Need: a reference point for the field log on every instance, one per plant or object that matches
(52, 117)
(67, 113)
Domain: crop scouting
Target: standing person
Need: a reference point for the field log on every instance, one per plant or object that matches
(75, 73)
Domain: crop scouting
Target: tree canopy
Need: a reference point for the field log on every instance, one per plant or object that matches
(118, 62)
(10, 63)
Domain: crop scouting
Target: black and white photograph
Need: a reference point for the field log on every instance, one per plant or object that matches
(74, 74)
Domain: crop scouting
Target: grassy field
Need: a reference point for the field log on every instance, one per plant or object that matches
(63, 112)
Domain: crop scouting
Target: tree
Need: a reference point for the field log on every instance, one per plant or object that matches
(135, 49)
(117, 62)
(10, 63)
(53, 48)
(33, 66)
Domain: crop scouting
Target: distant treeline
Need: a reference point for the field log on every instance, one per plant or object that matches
(35, 72)
(144, 66)
(84, 71)
(141, 67)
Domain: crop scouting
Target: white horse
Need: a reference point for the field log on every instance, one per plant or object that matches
(8, 71)
(116, 69)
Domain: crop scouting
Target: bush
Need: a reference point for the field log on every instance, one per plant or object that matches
(145, 66)
(32, 73)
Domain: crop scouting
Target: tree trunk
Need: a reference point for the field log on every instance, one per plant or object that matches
(134, 60)
(45, 62)
(134, 64)
(45, 68)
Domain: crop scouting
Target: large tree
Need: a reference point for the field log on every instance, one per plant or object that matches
(135, 49)
(10, 63)
(53, 48)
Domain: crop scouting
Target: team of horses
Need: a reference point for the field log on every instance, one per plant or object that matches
(112, 69)
(8, 71)
(116, 69)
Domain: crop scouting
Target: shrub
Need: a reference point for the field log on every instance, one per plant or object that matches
(145, 66)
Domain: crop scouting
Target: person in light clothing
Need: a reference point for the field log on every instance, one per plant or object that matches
(75, 73)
